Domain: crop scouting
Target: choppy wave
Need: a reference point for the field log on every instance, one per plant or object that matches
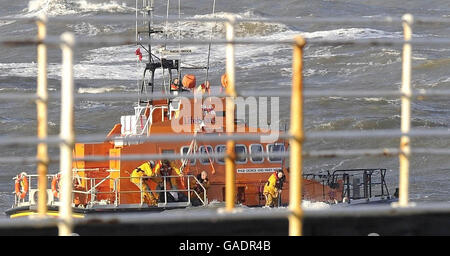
(352, 33)
(66, 7)
(6, 22)
(383, 122)
(81, 71)
(119, 62)
(246, 29)
(87, 29)
(275, 30)
(94, 90)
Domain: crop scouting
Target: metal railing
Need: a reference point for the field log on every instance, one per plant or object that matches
(296, 135)
(89, 189)
(33, 184)
(371, 181)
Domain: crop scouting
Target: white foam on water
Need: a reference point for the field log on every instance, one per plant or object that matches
(107, 63)
(351, 33)
(314, 205)
(6, 22)
(87, 29)
(119, 62)
(96, 90)
(65, 7)
(18, 69)
(92, 105)
(113, 54)
(372, 99)
(81, 71)
(256, 55)
(378, 99)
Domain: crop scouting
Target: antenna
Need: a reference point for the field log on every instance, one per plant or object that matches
(179, 47)
(210, 39)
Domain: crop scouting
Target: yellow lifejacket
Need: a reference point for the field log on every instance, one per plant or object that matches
(136, 173)
(269, 187)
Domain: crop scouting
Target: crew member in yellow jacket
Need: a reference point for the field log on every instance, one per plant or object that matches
(273, 187)
(148, 171)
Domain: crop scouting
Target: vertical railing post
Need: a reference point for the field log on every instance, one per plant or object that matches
(142, 191)
(230, 174)
(296, 130)
(405, 149)
(91, 190)
(165, 190)
(41, 109)
(66, 134)
(189, 189)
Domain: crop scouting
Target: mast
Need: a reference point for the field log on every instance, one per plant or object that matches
(167, 62)
(210, 39)
(150, 23)
(153, 61)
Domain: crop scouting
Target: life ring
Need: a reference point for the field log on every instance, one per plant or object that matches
(21, 185)
(55, 185)
(224, 80)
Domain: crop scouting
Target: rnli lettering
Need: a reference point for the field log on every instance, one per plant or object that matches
(256, 170)
(192, 246)
(188, 120)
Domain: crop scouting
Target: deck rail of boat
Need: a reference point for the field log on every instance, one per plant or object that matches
(293, 214)
(89, 189)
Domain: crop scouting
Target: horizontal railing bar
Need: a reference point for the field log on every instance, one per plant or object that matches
(352, 152)
(13, 96)
(29, 140)
(295, 20)
(280, 92)
(382, 133)
(24, 160)
(386, 152)
(388, 133)
(114, 40)
(54, 139)
(431, 151)
(173, 156)
(311, 135)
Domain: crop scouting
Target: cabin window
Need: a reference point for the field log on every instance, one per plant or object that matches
(207, 150)
(185, 150)
(241, 149)
(256, 149)
(220, 149)
(276, 148)
(167, 151)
